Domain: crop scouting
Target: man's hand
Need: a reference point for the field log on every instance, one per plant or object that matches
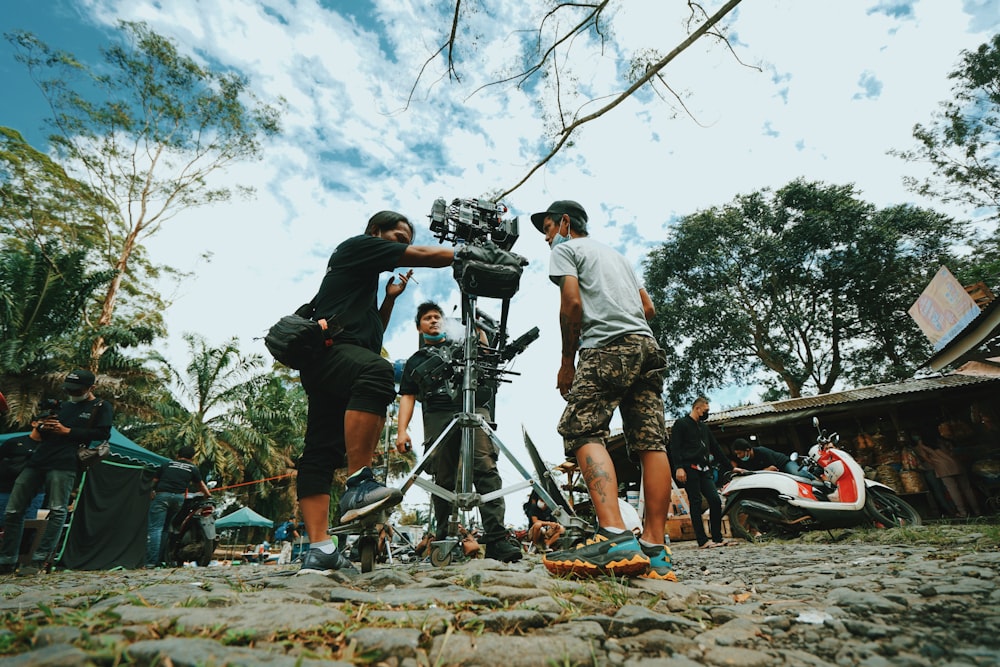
(394, 289)
(54, 427)
(403, 443)
(567, 371)
(682, 475)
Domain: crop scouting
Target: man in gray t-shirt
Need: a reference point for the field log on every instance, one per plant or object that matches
(603, 314)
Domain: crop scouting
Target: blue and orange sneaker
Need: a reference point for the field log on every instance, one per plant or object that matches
(617, 554)
(661, 563)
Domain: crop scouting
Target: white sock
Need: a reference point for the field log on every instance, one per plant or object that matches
(649, 544)
(616, 531)
(326, 546)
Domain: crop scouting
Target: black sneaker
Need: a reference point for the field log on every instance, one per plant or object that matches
(318, 562)
(503, 551)
(364, 495)
(36, 567)
(8, 568)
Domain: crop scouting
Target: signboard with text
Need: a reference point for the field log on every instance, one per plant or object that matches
(943, 309)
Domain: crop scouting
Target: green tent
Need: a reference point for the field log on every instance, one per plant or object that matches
(243, 517)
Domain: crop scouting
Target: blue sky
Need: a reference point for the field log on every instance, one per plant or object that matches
(840, 82)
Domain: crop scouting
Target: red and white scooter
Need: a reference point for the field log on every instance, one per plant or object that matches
(766, 504)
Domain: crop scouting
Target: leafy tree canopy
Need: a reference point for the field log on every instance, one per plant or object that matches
(798, 289)
(962, 142)
(148, 130)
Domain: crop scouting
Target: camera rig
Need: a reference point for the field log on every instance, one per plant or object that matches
(484, 266)
(471, 221)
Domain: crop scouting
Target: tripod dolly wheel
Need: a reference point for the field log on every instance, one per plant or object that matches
(366, 548)
(441, 555)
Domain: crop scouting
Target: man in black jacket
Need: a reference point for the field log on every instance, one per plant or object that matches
(80, 420)
(694, 451)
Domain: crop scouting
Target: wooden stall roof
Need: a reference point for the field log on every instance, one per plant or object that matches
(798, 409)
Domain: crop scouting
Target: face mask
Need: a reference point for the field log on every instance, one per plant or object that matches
(704, 417)
(78, 399)
(433, 338)
(745, 458)
(557, 239)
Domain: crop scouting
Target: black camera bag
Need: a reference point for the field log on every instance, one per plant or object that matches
(486, 270)
(295, 339)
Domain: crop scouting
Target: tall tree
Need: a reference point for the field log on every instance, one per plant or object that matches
(962, 141)
(149, 128)
(797, 289)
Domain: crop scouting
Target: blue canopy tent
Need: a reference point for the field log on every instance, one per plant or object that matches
(107, 527)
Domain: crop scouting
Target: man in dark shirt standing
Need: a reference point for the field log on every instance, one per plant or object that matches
(170, 487)
(439, 402)
(349, 384)
(694, 451)
(14, 456)
(80, 421)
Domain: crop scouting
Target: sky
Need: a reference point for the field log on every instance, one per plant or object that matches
(820, 90)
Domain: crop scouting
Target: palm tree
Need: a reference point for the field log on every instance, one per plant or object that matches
(212, 409)
(43, 294)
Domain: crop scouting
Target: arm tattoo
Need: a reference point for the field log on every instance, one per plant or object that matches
(571, 329)
(598, 480)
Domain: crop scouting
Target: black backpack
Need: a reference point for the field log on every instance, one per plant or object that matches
(295, 339)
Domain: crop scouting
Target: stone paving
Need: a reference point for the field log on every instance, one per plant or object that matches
(802, 603)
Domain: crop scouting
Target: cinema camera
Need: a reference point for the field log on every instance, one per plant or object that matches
(484, 267)
(473, 221)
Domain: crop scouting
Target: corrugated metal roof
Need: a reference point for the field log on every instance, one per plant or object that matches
(861, 394)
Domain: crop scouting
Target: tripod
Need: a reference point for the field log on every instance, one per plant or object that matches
(463, 498)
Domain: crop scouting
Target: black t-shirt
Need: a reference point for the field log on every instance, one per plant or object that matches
(177, 477)
(764, 457)
(437, 400)
(532, 510)
(349, 289)
(14, 455)
(59, 452)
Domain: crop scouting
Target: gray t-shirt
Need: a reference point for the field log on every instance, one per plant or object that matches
(609, 290)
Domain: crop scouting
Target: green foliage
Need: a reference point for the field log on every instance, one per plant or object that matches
(43, 294)
(962, 141)
(150, 128)
(798, 289)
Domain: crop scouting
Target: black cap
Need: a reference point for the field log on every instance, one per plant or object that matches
(741, 444)
(79, 379)
(557, 209)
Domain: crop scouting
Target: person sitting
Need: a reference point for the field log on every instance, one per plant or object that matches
(755, 457)
(543, 529)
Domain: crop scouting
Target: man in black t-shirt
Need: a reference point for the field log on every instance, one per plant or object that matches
(80, 421)
(349, 384)
(170, 487)
(14, 456)
(439, 402)
(694, 451)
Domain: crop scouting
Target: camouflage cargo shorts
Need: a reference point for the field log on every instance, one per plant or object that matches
(626, 374)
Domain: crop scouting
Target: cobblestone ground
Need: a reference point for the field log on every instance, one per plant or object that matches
(810, 602)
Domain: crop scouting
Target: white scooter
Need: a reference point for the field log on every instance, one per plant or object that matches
(765, 504)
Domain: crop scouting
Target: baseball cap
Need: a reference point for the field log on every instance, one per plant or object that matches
(558, 208)
(79, 379)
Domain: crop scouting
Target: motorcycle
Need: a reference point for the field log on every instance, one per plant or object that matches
(191, 536)
(766, 504)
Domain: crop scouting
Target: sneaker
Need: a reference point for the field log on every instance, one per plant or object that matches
(33, 569)
(617, 554)
(503, 551)
(661, 563)
(8, 568)
(364, 495)
(319, 562)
